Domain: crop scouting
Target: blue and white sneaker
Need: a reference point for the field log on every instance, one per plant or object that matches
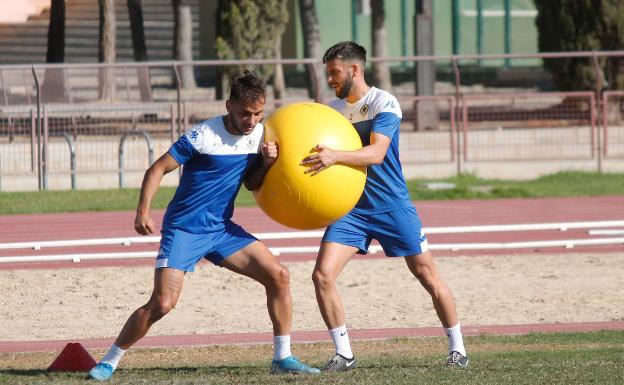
(291, 364)
(101, 372)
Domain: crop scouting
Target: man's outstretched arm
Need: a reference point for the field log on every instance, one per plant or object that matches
(143, 223)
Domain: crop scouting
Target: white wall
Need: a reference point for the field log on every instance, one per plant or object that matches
(18, 11)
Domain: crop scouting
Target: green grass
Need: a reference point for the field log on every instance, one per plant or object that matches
(564, 358)
(467, 186)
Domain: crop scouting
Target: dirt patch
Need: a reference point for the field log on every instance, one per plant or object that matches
(377, 293)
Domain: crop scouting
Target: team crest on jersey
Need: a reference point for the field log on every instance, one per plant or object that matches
(250, 143)
(193, 135)
(364, 109)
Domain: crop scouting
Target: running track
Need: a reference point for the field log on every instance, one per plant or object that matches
(22, 228)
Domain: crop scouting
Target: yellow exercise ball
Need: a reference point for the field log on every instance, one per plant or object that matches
(299, 200)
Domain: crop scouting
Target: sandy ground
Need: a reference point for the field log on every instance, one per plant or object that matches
(87, 303)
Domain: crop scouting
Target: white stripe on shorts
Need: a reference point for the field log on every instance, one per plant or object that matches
(162, 262)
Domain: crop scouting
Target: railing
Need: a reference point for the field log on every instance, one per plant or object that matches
(150, 152)
(458, 129)
(127, 241)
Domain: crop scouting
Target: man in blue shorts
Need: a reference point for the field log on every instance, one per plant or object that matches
(218, 156)
(384, 211)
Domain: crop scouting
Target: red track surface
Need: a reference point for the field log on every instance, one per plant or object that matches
(42, 227)
(23, 228)
(310, 336)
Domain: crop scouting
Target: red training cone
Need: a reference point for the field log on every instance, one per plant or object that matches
(73, 358)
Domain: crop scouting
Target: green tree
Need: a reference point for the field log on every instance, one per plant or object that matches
(252, 29)
(581, 25)
(613, 39)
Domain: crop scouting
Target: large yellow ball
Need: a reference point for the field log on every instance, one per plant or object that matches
(300, 200)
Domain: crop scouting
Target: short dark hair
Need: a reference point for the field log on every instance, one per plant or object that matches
(345, 51)
(247, 87)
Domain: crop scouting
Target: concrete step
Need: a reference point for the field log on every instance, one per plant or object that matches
(84, 41)
(79, 38)
(121, 17)
(89, 24)
(26, 43)
(151, 9)
(123, 33)
(86, 50)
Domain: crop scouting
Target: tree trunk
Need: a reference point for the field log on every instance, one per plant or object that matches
(183, 43)
(107, 49)
(381, 70)
(279, 83)
(139, 49)
(426, 116)
(222, 79)
(312, 48)
(53, 88)
(56, 32)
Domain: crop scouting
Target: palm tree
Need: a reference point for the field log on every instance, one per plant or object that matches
(53, 88)
(312, 47)
(381, 70)
(106, 52)
(183, 41)
(275, 16)
(426, 114)
(135, 14)
(56, 32)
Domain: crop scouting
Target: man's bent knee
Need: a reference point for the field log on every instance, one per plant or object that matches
(159, 307)
(280, 278)
(426, 278)
(322, 280)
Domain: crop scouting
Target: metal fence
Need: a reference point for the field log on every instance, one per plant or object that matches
(61, 127)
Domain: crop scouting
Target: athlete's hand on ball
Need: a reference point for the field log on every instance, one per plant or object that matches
(269, 153)
(143, 224)
(323, 158)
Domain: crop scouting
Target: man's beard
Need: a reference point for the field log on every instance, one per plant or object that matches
(345, 89)
(238, 128)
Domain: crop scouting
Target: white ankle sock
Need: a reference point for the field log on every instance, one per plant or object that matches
(281, 346)
(456, 340)
(341, 341)
(113, 356)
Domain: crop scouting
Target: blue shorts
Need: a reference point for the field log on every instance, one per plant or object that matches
(399, 232)
(181, 250)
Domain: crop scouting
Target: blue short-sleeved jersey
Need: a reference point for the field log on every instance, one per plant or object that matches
(215, 163)
(378, 111)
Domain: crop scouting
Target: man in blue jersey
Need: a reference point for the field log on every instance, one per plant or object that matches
(384, 211)
(218, 156)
